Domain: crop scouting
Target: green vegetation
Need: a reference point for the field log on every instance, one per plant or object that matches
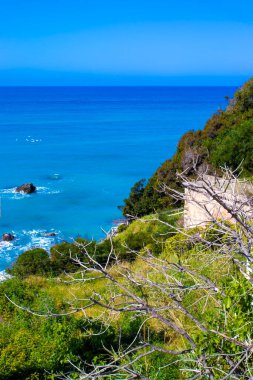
(229, 149)
(147, 233)
(62, 258)
(38, 347)
(33, 347)
(225, 140)
(57, 316)
(34, 261)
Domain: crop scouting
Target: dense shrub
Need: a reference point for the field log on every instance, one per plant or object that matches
(33, 262)
(235, 147)
(33, 347)
(144, 234)
(63, 256)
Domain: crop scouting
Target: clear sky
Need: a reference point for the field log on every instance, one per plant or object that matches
(128, 42)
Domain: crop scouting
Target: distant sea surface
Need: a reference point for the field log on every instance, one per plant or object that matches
(84, 148)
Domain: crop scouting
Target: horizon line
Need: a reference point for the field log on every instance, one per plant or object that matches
(116, 85)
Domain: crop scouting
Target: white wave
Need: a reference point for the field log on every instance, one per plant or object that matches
(37, 239)
(12, 190)
(32, 139)
(4, 276)
(5, 246)
(26, 240)
(32, 232)
(12, 194)
(46, 190)
(41, 188)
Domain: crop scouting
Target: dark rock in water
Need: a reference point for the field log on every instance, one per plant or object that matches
(8, 237)
(27, 188)
(49, 234)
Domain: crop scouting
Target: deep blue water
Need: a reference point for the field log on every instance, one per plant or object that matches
(84, 147)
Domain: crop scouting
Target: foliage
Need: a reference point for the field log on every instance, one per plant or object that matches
(225, 139)
(133, 202)
(234, 147)
(32, 262)
(35, 347)
(149, 198)
(31, 345)
(63, 256)
(147, 233)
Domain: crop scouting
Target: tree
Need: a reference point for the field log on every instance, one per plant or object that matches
(193, 302)
(173, 290)
(133, 203)
(33, 262)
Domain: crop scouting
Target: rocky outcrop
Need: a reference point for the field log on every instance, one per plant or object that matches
(8, 237)
(50, 234)
(27, 188)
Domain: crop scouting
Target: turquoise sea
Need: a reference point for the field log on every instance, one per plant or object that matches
(84, 147)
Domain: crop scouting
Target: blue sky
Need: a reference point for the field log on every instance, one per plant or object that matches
(85, 42)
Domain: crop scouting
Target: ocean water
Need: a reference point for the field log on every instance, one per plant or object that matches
(84, 147)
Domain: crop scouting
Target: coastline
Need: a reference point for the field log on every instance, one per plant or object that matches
(110, 138)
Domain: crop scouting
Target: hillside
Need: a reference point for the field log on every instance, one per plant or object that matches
(84, 315)
(226, 139)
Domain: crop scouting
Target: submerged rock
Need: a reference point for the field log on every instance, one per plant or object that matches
(27, 188)
(8, 237)
(49, 234)
(54, 176)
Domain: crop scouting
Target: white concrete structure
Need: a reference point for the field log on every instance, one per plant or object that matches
(201, 207)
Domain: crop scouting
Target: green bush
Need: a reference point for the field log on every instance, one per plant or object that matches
(63, 256)
(33, 347)
(225, 139)
(33, 262)
(235, 147)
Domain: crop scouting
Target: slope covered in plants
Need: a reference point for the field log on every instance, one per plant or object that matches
(226, 139)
